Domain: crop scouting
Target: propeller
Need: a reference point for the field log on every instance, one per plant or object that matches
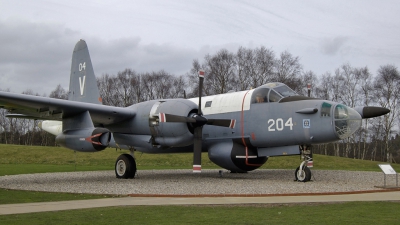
(197, 121)
(198, 130)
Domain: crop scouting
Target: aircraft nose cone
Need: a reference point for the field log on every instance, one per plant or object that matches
(373, 111)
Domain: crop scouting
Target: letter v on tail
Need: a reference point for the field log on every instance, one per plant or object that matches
(82, 84)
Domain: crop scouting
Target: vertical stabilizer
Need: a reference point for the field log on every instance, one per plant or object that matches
(83, 84)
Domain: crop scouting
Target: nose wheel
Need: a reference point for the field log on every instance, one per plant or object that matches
(303, 172)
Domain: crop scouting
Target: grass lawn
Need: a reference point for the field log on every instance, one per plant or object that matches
(338, 213)
(16, 196)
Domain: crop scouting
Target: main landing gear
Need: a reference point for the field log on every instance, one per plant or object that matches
(125, 166)
(303, 172)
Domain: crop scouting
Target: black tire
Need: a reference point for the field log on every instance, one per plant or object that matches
(303, 175)
(125, 167)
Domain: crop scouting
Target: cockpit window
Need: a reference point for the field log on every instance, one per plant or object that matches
(261, 95)
(271, 92)
(285, 91)
(274, 97)
(341, 112)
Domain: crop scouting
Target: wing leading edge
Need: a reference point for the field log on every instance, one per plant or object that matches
(36, 107)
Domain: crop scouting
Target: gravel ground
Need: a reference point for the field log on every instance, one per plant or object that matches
(184, 182)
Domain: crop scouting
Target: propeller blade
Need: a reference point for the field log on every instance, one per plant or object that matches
(164, 118)
(198, 130)
(197, 149)
(196, 120)
(201, 78)
(222, 122)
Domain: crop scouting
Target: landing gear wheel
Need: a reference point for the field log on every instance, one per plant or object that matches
(125, 167)
(303, 175)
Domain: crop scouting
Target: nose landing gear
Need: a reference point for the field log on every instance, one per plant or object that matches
(303, 172)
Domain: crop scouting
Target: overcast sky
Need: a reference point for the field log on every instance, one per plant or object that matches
(37, 37)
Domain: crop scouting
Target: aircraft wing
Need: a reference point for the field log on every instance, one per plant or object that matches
(43, 108)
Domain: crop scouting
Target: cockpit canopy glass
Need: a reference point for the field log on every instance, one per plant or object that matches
(271, 92)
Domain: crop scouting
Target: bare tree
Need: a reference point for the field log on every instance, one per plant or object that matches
(193, 80)
(244, 68)
(178, 87)
(323, 89)
(124, 89)
(59, 93)
(349, 90)
(287, 70)
(220, 70)
(108, 89)
(366, 90)
(387, 93)
(264, 66)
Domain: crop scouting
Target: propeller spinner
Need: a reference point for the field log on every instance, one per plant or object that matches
(197, 121)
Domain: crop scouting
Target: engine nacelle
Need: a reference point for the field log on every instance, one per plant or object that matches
(174, 134)
(235, 157)
(85, 140)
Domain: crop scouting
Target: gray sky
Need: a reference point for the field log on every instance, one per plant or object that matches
(37, 37)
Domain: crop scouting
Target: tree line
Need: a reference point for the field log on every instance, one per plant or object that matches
(243, 70)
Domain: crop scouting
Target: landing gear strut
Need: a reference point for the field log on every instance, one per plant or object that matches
(303, 172)
(125, 167)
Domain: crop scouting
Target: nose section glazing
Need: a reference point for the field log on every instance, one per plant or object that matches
(346, 120)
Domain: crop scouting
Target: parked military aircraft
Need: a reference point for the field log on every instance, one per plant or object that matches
(239, 130)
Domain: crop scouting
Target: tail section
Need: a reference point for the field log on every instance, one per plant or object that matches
(83, 84)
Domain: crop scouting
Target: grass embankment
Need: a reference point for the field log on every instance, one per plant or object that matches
(17, 159)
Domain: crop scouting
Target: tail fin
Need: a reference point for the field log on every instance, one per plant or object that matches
(83, 84)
